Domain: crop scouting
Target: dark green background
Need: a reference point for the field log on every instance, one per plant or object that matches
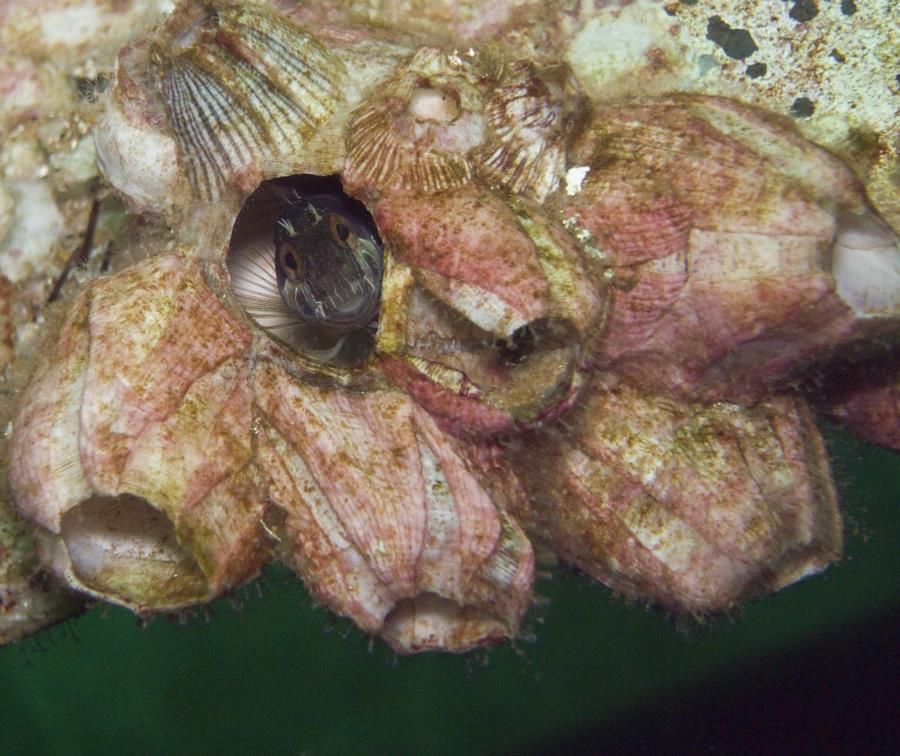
(280, 676)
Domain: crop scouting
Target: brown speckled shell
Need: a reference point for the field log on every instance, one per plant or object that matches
(691, 507)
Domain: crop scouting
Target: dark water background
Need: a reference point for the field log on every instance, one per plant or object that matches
(813, 669)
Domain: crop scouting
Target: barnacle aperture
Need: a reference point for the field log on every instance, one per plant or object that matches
(306, 263)
(415, 132)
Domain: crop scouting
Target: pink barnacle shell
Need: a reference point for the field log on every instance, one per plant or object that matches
(690, 507)
(7, 333)
(132, 448)
(386, 522)
(742, 253)
(486, 308)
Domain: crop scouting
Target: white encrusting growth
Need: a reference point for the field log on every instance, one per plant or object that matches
(575, 178)
(135, 157)
(37, 226)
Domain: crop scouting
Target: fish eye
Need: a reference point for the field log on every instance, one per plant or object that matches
(340, 231)
(314, 286)
(290, 261)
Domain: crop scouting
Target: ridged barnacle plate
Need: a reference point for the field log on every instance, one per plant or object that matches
(531, 113)
(416, 130)
(242, 87)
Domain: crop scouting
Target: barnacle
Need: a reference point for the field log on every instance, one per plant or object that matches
(456, 332)
(416, 130)
(532, 113)
(241, 85)
(373, 334)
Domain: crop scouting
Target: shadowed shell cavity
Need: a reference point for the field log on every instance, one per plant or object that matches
(306, 263)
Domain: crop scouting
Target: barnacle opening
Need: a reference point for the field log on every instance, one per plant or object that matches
(527, 372)
(517, 347)
(126, 550)
(866, 264)
(427, 622)
(417, 129)
(428, 103)
(306, 263)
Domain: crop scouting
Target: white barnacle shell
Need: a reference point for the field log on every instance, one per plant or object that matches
(242, 86)
(415, 133)
(529, 113)
(134, 152)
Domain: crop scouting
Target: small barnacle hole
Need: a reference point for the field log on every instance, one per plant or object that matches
(305, 262)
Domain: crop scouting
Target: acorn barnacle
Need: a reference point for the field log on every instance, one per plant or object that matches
(242, 87)
(415, 133)
(530, 113)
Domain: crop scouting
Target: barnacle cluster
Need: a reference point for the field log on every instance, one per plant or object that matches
(400, 315)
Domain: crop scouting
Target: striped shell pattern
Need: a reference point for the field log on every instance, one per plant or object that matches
(246, 86)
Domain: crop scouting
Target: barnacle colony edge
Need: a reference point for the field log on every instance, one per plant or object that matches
(400, 277)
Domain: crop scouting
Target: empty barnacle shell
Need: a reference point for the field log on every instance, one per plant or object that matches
(385, 520)
(104, 458)
(416, 130)
(484, 342)
(306, 264)
(531, 114)
(243, 87)
(742, 252)
(687, 506)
